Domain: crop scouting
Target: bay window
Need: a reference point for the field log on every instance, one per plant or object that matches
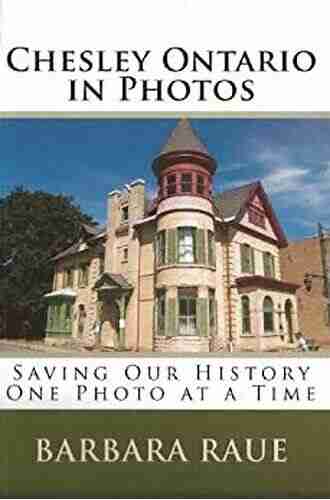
(187, 245)
(161, 248)
(187, 298)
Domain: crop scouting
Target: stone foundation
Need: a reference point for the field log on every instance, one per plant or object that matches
(182, 344)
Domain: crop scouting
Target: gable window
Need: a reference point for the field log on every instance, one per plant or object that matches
(171, 184)
(186, 183)
(161, 312)
(246, 320)
(187, 311)
(256, 217)
(124, 214)
(161, 248)
(247, 259)
(269, 265)
(83, 275)
(187, 245)
(268, 309)
(200, 184)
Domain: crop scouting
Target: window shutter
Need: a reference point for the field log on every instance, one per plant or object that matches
(253, 267)
(200, 246)
(264, 256)
(170, 327)
(202, 323)
(214, 259)
(171, 246)
(243, 259)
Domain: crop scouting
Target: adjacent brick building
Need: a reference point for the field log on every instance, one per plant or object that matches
(310, 258)
(189, 271)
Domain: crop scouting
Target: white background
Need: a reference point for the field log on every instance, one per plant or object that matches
(200, 25)
(14, 397)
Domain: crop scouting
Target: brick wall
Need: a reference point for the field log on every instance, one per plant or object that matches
(302, 257)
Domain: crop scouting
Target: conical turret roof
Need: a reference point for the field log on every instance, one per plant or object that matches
(183, 138)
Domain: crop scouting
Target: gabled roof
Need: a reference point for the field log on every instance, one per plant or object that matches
(112, 280)
(89, 233)
(183, 138)
(230, 203)
(233, 204)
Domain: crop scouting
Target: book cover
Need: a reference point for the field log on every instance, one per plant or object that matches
(164, 250)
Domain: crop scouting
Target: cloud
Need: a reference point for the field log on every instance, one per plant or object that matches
(285, 179)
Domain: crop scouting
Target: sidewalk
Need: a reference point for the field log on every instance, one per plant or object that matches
(16, 345)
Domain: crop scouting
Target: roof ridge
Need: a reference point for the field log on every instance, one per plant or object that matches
(249, 184)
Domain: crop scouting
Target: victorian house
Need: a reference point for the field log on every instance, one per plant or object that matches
(189, 271)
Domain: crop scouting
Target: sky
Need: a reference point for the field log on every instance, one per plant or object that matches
(87, 158)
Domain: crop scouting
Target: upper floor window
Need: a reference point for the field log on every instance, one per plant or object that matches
(269, 265)
(83, 275)
(187, 245)
(124, 214)
(256, 217)
(247, 259)
(125, 254)
(161, 248)
(186, 183)
(68, 278)
(200, 184)
(246, 321)
(171, 184)
(268, 309)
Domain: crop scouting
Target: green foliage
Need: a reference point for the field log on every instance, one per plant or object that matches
(34, 226)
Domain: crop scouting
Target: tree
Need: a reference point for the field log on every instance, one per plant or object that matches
(34, 227)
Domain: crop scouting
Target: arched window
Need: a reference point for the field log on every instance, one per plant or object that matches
(289, 319)
(268, 315)
(246, 322)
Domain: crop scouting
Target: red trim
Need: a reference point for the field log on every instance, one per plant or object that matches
(266, 283)
(176, 157)
(259, 190)
(256, 234)
(178, 171)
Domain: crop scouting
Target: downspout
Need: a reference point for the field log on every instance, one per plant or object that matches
(138, 295)
(230, 333)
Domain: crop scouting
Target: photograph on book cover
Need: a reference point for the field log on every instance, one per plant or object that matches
(164, 249)
(164, 235)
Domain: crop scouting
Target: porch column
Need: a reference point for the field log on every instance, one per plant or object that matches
(121, 303)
